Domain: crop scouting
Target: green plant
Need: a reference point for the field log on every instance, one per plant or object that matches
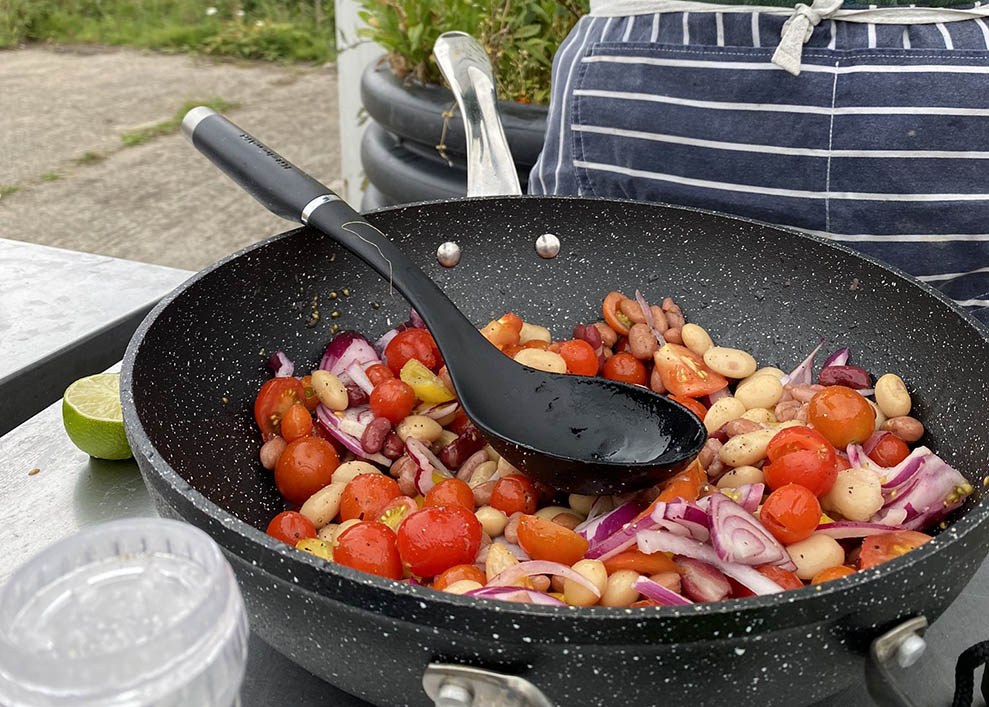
(520, 36)
(167, 127)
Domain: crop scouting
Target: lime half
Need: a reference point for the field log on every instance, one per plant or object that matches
(92, 416)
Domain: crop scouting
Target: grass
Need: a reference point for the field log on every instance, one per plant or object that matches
(90, 158)
(50, 177)
(272, 30)
(8, 189)
(167, 127)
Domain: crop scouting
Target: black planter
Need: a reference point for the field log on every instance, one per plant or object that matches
(399, 152)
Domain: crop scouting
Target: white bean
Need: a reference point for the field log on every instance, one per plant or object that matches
(499, 559)
(880, 418)
(815, 554)
(551, 512)
(534, 332)
(580, 503)
(746, 449)
(764, 371)
(763, 416)
(578, 595)
(761, 392)
(731, 363)
(328, 532)
(462, 586)
(493, 521)
(342, 527)
(271, 450)
(346, 472)
(322, 507)
(740, 476)
(419, 426)
(857, 494)
(892, 396)
(620, 590)
(723, 410)
(483, 472)
(330, 391)
(542, 360)
(696, 338)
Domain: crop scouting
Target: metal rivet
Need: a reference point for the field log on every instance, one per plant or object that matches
(547, 245)
(448, 254)
(910, 651)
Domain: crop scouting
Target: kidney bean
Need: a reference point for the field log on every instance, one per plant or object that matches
(673, 335)
(740, 427)
(907, 428)
(803, 392)
(355, 395)
(400, 465)
(631, 309)
(458, 451)
(473, 461)
(608, 335)
(656, 382)
(393, 446)
(641, 342)
(709, 452)
(659, 319)
(375, 434)
(852, 377)
(482, 493)
(588, 333)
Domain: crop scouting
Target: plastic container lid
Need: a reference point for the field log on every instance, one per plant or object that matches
(137, 613)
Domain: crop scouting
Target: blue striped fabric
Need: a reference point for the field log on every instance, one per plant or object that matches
(881, 143)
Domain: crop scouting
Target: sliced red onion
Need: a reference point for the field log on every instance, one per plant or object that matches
(647, 313)
(650, 541)
(359, 377)
(534, 567)
(890, 516)
(688, 516)
(701, 581)
(425, 452)
(415, 321)
(849, 529)
(894, 476)
(866, 392)
(595, 530)
(280, 365)
(838, 358)
(804, 373)
(859, 459)
(354, 420)
(751, 496)
(626, 537)
(346, 348)
(331, 423)
(935, 491)
(440, 410)
(657, 592)
(429, 467)
(415, 582)
(514, 594)
(738, 537)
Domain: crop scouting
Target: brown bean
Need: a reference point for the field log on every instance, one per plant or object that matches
(512, 529)
(482, 493)
(473, 461)
(460, 449)
(656, 382)
(271, 450)
(803, 392)
(672, 335)
(675, 320)
(540, 582)
(802, 411)
(907, 428)
(609, 337)
(709, 452)
(641, 342)
(670, 580)
(355, 395)
(401, 464)
(556, 582)
(407, 481)
(631, 309)
(670, 306)
(659, 319)
(716, 469)
(588, 333)
(740, 427)
(567, 520)
(374, 435)
(786, 410)
(393, 447)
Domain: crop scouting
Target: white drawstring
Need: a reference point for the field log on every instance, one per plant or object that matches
(798, 29)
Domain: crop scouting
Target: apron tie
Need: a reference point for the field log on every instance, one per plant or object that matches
(798, 29)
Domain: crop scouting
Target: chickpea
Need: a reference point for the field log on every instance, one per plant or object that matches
(696, 338)
(620, 590)
(857, 494)
(731, 363)
(723, 411)
(816, 553)
(322, 507)
(493, 521)
(462, 586)
(330, 391)
(892, 396)
(740, 476)
(421, 427)
(595, 572)
(346, 472)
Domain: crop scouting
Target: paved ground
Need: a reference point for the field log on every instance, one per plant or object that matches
(160, 202)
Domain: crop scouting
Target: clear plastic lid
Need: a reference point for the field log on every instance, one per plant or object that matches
(138, 613)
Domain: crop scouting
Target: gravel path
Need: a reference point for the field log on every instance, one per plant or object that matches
(77, 187)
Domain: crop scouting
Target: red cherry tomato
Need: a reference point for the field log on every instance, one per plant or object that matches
(304, 468)
(310, 399)
(296, 423)
(437, 538)
(291, 527)
(683, 372)
(877, 549)
(365, 496)
(842, 415)
(580, 357)
(512, 321)
(626, 368)
(458, 573)
(370, 547)
(451, 492)
(640, 562)
(686, 485)
(274, 400)
(800, 455)
(890, 450)
(514, 494)
(393, 399)
(378, 373)
(791, 513)
(545, 540)
(460, 423)
(842, 462)
(412, 343)
(787, 580)
(613, 316)
(832, 573)
(691, 404)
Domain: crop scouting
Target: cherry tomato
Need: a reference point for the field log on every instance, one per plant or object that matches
(451, 492)
(615, 318)
(686, 485)
(501, 334)
(683, 372)
(304, 468)
(458, 573)
(580, 357)
(832, 573)
(842, 415)
(877, 549)
(393, 399)
(460, 423)
(536, 344)
(543, 539)
(412, 343)
(512, 349)
(889, 451)
(370, 547)
(310, 399)
(365, 496)
(437, 538)
(512, 321)
(626, 368)
(791, 513)
(291, 527)
(787, 580)
(514, 494)
(640, 562)
(691, 404)
(800, 455)
(841, 462)
(378, 373)
(296, 423)
(274, 400)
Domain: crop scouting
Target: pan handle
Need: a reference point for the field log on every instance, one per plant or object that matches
(467, 69)
(465, 686)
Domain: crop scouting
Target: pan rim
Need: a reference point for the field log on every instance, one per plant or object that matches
(739, 609)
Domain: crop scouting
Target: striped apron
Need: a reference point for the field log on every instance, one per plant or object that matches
(868, 126)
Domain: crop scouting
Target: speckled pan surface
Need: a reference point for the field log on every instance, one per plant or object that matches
(771, 292)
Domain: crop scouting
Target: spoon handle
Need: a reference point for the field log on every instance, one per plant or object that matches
(287, 191)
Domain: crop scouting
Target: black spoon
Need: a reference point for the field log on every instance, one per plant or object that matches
(574, 433)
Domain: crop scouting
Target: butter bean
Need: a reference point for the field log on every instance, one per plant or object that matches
(907, 428)
(548, 512)
(421, 427)
(740, 476)
(620, 590)
(328, 532)
(641, 342)
(346, 525)
(696, 338)
(461, 586)
(764, 371)
(892, 396)
(857, 494)
(499, 559)
(880, 418)
(815, 554)
(542, 360)
(482, 473)
(322, 507)
(761, 415)
(581, 504)
(346, 472)
(731, 363)
(330, 391)
(746, 449)
(533, 332)
(723, 410)
(594, 571)
(761, 392)
(493, 521)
